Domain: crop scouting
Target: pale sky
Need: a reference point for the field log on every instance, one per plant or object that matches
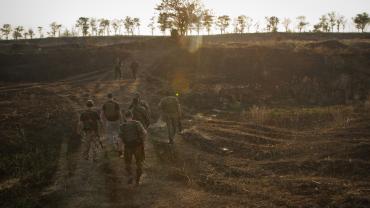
(33, 13)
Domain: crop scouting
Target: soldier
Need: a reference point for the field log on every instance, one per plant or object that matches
(117, 69)
(112, 115)
(134, 68)
(171, 113)
(89, 127)
(140, 110)
(133, 134)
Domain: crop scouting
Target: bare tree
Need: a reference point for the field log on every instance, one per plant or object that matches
(198, 21)
(83, 24)
(340, 22)
(249, 23)
(115, 25)
(223, 23)
(179, 13)
(323, 25)
(151, 25)
(6, 30)
(54, 29)
(137, 24)
(257, 26)
(344, 23)
(241, 23)
(39, 29)
(17, 33)
(164, 23)
(66, 33)
(235, 25)
(104, 26)
(59, 28)
(207, 20)
(25, 35)
(361, 21)
(286, 22)
(93, 26)
(129, 25)
(74, 32)
(31, 33)
(332, 20)
(272, 24)
(302, 23)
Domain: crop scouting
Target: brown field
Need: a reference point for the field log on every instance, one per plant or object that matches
(271, 120)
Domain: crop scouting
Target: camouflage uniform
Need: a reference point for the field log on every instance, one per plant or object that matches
(90, 133)
(171, 114)
(90, 141)
(133, 134)
(112, 122)
(141, 112)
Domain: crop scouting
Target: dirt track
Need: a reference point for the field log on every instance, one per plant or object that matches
(80, 183)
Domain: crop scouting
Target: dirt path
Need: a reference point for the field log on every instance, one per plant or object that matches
(80, 183)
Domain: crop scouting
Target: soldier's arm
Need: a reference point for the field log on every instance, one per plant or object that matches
(80, 125)
(179, 112)
(131, 105)
(160, 106)
(102, 116)
(120, 133)
(143, 133)
(100, 125)
(79, 128)
(120, 115)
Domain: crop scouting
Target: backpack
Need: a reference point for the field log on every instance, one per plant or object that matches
(169, 105)
(132, 133)
(89, 120)
(141, 114)
(111, 111)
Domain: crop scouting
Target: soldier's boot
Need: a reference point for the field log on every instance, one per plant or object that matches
(120, 153)
(170, 140)
(94, 153)
(129, 173)
(138, 175)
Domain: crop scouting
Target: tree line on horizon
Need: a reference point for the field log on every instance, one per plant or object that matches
(185, 17)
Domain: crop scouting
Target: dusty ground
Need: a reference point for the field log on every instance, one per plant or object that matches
(218, 161)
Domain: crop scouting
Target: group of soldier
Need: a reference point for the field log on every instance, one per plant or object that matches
(133, 66)
(125, 131)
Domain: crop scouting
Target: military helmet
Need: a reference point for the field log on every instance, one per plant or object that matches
(90, 103)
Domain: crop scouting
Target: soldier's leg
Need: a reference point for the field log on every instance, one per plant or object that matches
(139, 159)
(169, 128)
(172, 129)
(179, 124)
(110, 131)
(94, 147)
(86, 146)
(117, 139)
(175, 126)
(128, 159)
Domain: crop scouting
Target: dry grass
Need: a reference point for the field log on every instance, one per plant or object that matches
(259, 115)
(301, 118)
